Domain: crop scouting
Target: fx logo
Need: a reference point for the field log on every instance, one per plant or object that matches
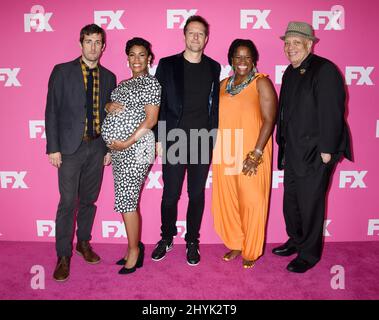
(101, 17)
(209, 180)
(182, 228)
(16, 179)
(178, 16)
(37, 20)
(10, 77)
(373, 225)
(153, 180)
(37, 129)
(225, 71)
(358, 73)
(257, 18)
(355, 178)
(335, 18)
(279, 70)
(45, 228)
(277, 178)
(113, 229)
(326, 224)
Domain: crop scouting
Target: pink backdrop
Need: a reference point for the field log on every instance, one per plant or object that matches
(38, 35)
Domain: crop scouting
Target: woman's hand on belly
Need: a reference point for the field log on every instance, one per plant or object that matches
(118, 145)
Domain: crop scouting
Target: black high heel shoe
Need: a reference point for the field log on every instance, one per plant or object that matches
(139, 262)
(122, 261)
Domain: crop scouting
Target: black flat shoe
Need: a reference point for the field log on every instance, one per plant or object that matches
(138, 264)
(122, 261)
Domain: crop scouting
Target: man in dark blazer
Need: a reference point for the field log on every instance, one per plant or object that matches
(190, 90)
(312, 137)
(77, 93)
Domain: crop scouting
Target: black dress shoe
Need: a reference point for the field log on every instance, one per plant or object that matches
(284, 250)
(299, 265)
(138, 264)
(122, 261)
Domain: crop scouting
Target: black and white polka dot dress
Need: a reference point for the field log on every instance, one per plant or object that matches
(130, 166)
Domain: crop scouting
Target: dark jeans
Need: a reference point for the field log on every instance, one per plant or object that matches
(79, 178)
(173, 177)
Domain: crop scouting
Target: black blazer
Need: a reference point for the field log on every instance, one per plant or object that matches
(315, 122)
(65, 114)
(170, 74)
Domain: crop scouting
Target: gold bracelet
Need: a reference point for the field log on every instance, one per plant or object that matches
(251, 155)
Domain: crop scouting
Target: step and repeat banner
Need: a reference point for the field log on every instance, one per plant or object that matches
(36, 35)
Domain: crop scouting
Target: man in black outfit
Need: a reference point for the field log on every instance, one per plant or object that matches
(190, 89)
(78, 91)
(312, 136)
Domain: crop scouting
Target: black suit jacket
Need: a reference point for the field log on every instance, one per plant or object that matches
(170, 74)
(315, 122)
(65, 114)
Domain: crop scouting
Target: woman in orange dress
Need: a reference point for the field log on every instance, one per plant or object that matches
(243, 155)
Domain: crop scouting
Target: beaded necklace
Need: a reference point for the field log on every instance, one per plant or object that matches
(233, 90)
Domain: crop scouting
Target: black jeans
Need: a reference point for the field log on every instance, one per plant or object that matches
(79, 177)
(173, 177)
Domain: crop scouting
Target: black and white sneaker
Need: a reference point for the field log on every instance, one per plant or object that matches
(163, 246)
(193, 254)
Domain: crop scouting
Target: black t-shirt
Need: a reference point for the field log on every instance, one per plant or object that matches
(197, 87)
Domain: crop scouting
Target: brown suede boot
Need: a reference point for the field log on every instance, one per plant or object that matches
(84, 249)
(62, 270)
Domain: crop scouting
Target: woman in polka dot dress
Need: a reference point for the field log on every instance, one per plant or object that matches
(127, 132)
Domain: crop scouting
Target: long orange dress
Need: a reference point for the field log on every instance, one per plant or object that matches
(239, 202)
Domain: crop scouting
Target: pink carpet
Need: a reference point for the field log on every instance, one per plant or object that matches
(173, 279)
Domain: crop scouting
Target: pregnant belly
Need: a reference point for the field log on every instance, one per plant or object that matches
(117, 127)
